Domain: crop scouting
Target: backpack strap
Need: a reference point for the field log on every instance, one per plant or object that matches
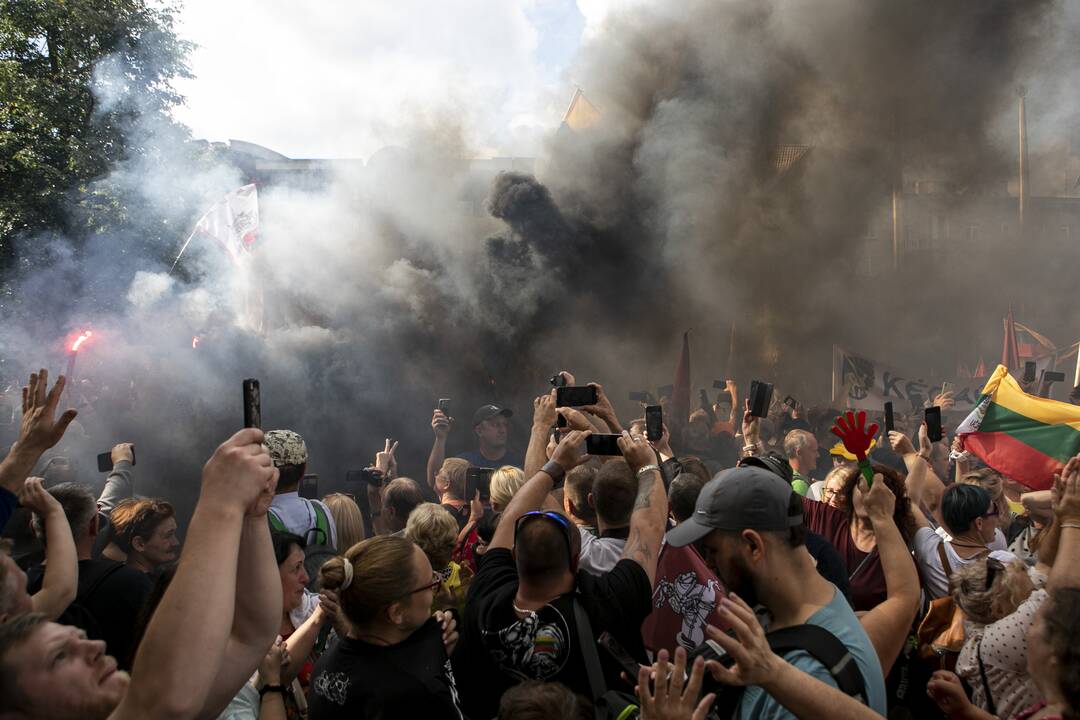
(322, 524)
(944, 557)
(591, 658)
(990, 706)
(276, 524)
(827, 649)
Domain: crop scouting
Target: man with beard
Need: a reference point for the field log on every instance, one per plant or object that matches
(750, 523)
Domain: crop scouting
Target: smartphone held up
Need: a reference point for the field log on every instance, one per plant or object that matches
(252, 404)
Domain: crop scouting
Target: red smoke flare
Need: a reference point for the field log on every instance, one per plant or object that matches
(80, 340)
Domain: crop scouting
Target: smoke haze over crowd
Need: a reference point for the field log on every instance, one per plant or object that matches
(670, 213)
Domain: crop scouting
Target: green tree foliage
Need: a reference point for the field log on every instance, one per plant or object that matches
(86, 87)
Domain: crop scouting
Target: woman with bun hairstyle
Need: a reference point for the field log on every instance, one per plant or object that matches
(395, 659)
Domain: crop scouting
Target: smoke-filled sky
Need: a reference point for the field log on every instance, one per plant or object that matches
(382, 295)
(356, 74)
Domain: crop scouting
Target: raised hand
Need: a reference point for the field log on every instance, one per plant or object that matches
(36, 498)
(123, 451)
(384, 459)
(544, 410)
(878, 499)
(275, 660)
(901, 443)
(1066, 494)
(440, 424)
(39, 431)
(636, 451)
(671, 699)
(239, 472)
(946, 690)
(575, 420)
(751, 427)
(569, 452)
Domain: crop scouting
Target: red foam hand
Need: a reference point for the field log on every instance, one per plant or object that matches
(854, 433)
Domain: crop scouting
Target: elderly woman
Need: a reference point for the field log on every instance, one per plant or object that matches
(843, 520)
(999, 600)
(435, 532)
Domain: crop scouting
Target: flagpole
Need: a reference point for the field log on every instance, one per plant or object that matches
(186, 243)
(1076, 375)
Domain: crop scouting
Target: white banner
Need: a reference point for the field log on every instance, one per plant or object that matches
(859, 382)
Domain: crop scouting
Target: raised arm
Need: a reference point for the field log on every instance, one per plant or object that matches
(61, 581)
(182, 651)
(1066, 569)
(543, 418)
(924, 487)
(649, 516)
(440, 424)
(887, 624)
(534, 493)
(38, 431)
(257, 609)
(604, 410)
(120, 485)
(756, 664)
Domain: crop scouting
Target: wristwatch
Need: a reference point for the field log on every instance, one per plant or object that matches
(278, 688)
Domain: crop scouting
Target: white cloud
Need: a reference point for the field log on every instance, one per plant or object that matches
(342, 79)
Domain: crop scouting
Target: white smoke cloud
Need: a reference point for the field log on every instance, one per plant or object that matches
(342, 79)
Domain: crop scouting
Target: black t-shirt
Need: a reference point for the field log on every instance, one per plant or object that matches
(829, 563)
(498, 649)
(108, 611)
(412, 679)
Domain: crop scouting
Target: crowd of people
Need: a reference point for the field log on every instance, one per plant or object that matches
(734, 566)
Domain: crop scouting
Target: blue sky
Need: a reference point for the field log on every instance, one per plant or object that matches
(342, 79)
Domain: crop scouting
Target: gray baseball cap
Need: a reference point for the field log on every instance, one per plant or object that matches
(742, 498)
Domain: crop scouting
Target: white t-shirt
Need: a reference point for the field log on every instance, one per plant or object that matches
(935, 581)
(299, 518)
(599, 555)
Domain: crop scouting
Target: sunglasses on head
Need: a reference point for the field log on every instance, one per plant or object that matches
(558, 519)
(993, 567)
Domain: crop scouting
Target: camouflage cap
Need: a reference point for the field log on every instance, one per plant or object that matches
(286, 448)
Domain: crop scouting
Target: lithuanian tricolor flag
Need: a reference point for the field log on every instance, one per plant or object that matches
(1023, 437)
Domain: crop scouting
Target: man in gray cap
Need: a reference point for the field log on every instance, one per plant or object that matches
(491, 423)
(750, 525)
(310, 519)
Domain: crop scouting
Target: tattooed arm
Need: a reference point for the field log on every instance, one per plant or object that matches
(649, 517)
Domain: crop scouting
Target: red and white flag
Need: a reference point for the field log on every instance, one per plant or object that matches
(685, 598)
(232, 222)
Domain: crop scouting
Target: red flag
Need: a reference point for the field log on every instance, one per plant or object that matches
(1010, 351)
(679, 414)
(685, 597)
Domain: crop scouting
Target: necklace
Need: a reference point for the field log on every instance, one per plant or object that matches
(520, 610)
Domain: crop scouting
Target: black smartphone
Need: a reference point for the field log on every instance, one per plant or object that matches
(444, 406)
(252, 404)
(618, 653)
(558, 380)
(478, 478)
(560, 421)
(790, 402)
(654, 422)
(602, 444)
(933, 423)
(890, 423)
(575, 395)
(1029, 371)
(760, 398)
(309, 487)
(1051, 376)
(105, 463)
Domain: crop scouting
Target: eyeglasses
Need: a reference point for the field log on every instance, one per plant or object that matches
(436, 581)
(557, 518)
(829, 492)
(993, 567)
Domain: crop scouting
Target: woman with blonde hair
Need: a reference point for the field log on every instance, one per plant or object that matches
(435, 531)
(505, 482)
(394, 661)
(347, 519)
